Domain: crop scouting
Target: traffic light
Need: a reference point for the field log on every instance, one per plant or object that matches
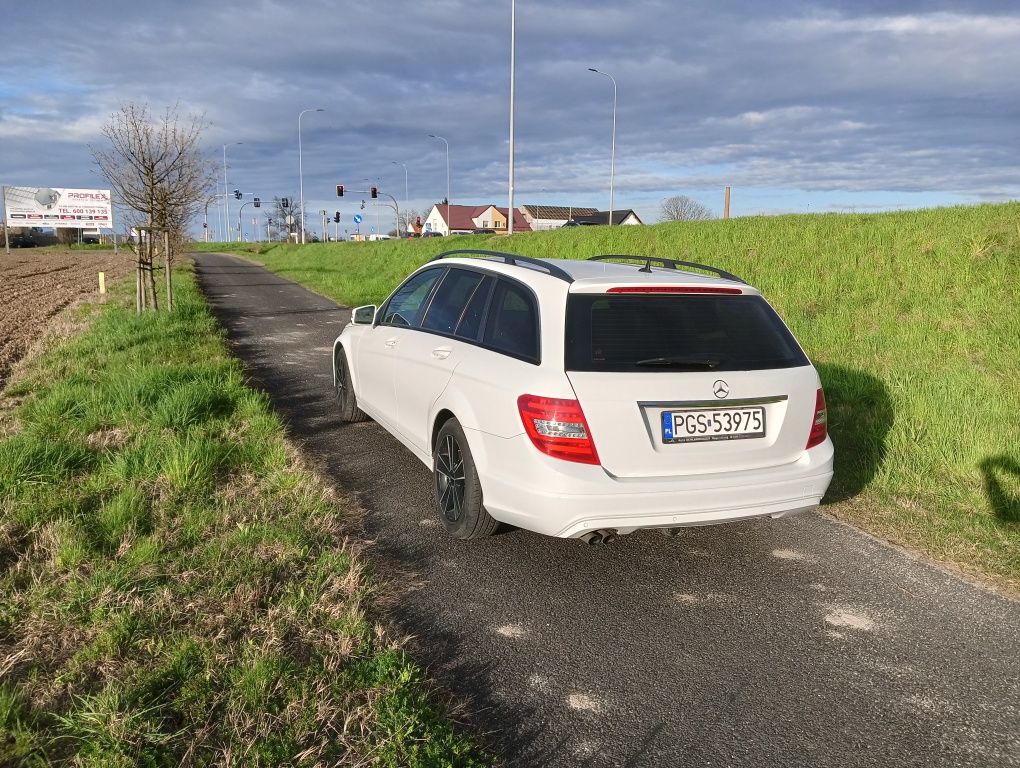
(257, 203)
(374, 192)
(237, 194)
(339, 190)
(205, 225)
(417, 221)
(285, 202)
(336, 217)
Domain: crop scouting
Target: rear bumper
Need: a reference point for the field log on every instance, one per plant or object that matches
(525, 488)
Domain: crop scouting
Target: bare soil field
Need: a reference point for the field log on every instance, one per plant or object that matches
(35, 284)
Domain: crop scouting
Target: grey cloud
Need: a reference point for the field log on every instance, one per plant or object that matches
(855, 96)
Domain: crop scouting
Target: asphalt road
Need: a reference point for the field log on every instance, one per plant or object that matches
(788, 642)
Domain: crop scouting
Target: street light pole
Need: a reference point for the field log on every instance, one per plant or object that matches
(301, 170)
(226, 191)
(449, 224)
(407, 209)
(612, 161)
(513, 49)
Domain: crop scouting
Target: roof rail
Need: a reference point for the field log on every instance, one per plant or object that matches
(669, 263)
(510, 258)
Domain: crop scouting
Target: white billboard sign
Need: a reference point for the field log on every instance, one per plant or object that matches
(57, 207)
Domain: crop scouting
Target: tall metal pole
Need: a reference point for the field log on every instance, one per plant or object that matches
(513, 48)
(449, 224)
(301, 170)
(226, 192)
(612, 160)
(407, 205)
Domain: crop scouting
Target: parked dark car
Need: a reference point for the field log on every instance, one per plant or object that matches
(22, 241)
(431, 234)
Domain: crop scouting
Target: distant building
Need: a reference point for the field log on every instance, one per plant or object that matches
(466, 219)
(553, 216)
(625, 218)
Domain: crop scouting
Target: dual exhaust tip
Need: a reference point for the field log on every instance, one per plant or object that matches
(598, 537)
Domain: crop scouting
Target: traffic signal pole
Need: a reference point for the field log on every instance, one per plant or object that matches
(374, 192)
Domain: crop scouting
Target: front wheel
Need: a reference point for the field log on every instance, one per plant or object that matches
(344, 385)
(458, 492)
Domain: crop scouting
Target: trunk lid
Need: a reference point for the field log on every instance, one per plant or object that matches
(625, 414)
(687, 379)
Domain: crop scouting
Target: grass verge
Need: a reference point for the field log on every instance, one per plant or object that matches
(174, 587)
(910, 317)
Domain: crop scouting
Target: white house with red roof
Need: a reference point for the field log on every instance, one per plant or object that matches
(466, 219)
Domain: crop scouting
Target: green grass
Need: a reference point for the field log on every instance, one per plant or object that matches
(912, 319)
(174, 587)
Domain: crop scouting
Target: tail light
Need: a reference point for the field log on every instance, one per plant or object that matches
(558, 428)
(820, 423)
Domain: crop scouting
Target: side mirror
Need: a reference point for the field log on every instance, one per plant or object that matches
(363, 315)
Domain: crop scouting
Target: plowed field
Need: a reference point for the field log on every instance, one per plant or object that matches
(35, 284)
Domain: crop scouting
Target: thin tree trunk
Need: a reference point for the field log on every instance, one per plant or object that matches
(138, 284)
(169, 279)
(141, 284)
(152, 274)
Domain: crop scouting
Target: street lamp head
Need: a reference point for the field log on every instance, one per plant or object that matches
(592, 69)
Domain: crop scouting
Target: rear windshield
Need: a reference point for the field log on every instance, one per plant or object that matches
(676, 333)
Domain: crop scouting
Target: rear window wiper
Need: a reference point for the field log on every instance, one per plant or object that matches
(692, 363)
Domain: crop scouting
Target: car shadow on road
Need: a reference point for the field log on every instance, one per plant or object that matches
(1003, 495)
(860, 417)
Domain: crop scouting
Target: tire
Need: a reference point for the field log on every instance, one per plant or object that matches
(455, 481)
(344, 386)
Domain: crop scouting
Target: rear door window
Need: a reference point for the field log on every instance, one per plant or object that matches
(406, 306)
(471, 322)
(676, 332)
(512, 323)
(451, 299)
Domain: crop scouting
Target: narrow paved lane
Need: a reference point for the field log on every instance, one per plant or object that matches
(796, 642)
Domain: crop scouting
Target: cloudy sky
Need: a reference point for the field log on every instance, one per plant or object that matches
(799, 106)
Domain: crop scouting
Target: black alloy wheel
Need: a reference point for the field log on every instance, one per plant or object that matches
(458, 490)
(450, 478)
(344, 386)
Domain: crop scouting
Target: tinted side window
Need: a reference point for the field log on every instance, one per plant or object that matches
(512, 325)
(407, 304)
(450, 300)
(471, 321)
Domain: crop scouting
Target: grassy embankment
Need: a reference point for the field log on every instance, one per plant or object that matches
(174, 587)
(912, 319)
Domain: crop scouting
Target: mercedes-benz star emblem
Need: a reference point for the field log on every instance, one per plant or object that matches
(721, 389)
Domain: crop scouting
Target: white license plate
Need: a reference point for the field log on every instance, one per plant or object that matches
(703, 424)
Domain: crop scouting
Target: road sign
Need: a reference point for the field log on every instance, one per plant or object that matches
(290, 219)
(358, 218)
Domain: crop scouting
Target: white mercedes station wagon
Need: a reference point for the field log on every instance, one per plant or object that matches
(590, 398)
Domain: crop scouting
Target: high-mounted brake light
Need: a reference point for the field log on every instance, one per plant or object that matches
(673, 289)
(558, 428)
(820, 424)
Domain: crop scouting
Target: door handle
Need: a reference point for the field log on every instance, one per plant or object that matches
(441, 353)
(390, 343)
